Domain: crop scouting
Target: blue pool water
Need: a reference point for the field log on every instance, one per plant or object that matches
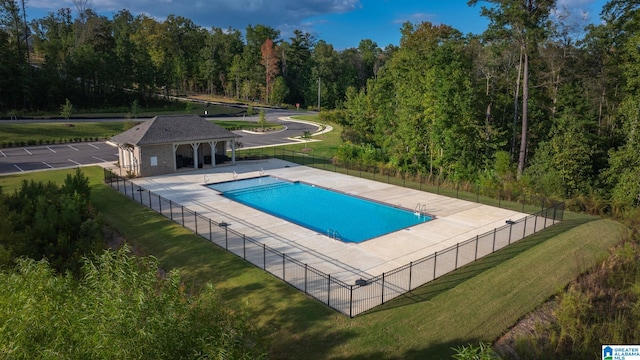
(347, 218)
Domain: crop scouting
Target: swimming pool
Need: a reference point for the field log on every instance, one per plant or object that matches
(337, 215)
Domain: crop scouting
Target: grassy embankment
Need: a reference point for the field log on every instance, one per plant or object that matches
(477, 302)
(57, 132)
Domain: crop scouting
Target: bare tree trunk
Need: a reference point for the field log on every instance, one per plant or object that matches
(515, 107)
(525, 108)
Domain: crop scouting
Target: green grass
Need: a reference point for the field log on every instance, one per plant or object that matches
(477, 302)
(61, 132)
(326, 147)
(39, 133)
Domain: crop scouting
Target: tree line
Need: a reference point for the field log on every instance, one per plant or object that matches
(535, 102)
(93, 60)
(538, 101)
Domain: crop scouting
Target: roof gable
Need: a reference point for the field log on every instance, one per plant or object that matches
(173, 128)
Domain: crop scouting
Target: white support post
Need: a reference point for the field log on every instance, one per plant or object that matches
(175, 160)
(131, 159)
(213, 144)
(233, 151)
(122, 158)
(195, 154)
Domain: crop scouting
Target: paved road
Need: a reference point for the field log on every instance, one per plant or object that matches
(71, 155)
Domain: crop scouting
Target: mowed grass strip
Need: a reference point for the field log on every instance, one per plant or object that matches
(476, 302)
(38, 133)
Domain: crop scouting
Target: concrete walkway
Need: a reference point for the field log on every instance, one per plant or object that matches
(456, 220)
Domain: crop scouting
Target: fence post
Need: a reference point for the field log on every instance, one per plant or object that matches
(435, 261)
(535, 223)
(493, 248)
(554, 213)
(524, 232)
(383, 288)
(264, 258)
(226, 238)
(283, 278)
(182, 212)
(171, 210)
(160, 203)
(510, 227)
(351, 301)
(410, 273)
(210, 232)
(151, 207)
(329, 289)
(244, 247)
(133, 195)
(475, 256)
(305, 278)
(195, 217)
(457, 250)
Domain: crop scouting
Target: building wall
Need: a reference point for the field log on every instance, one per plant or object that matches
(165, 161)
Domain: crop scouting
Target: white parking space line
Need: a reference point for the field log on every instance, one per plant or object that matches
(47, 165)
(93, 146)
(75, 162)
(18, 167)
(97, 158)
(1, 153)
(73, 148)
(28, 152)
(53, 151)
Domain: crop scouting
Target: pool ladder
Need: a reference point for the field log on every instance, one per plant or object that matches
(421, 209)
(334, 234)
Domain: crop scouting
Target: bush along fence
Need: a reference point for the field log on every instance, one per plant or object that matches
(509, 197)
(349, 299)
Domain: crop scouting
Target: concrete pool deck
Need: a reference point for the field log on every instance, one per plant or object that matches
(455, 220)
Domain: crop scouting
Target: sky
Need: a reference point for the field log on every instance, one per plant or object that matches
(341, 23)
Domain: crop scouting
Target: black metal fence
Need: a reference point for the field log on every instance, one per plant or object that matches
(349, 299)
(513, 198)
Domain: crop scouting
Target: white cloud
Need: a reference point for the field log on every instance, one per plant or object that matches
(578, 10)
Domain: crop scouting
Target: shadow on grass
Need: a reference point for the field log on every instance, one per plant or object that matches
(456, 277)
(294, 324)
(434, 351)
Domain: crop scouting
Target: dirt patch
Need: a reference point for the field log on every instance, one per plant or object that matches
(530, 328)
(114, 241)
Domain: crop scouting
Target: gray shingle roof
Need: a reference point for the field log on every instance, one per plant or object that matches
(173, 128)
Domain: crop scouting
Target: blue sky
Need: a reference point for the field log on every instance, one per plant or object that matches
(342, 23)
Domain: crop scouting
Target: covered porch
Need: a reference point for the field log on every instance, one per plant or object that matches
(203, 154)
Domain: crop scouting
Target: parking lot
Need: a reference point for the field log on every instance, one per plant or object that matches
(32, 158)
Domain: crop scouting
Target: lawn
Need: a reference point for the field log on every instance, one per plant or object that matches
(56, 132)
(16, 134)
(477, 302)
